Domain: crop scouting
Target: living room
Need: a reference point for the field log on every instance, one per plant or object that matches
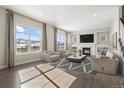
(41, 45)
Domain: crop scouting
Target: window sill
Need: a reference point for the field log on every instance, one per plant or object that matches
(28, 53)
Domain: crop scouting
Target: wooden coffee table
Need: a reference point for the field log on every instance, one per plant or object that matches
(71, 59)
(77, 59)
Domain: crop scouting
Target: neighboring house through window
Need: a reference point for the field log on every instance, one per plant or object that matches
(27, 39)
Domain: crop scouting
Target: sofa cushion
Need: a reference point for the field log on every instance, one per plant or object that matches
(50, 52)
(108, 66)
(54, 56)
(67, 53)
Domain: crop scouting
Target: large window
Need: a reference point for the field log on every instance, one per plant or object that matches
(27, 39)
(61, 40)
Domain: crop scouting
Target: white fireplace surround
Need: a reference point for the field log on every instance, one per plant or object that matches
(91, 46)
(86, 51)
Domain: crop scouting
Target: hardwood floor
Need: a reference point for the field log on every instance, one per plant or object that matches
(9, 78)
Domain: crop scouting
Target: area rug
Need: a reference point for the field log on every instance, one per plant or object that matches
(45, 67)
(54, 73)
(65, 80)
(66, 65)
(38, 82)
(61, 78)
(28, 73)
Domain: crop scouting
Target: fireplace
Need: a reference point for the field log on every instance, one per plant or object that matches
(86, 51)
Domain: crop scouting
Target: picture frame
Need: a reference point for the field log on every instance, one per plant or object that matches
(114, 36)
(102, 37)
(74, 39)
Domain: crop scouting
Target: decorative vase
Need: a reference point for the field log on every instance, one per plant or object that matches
(79, 52)
(74, 54)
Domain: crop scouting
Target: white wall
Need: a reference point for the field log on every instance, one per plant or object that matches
(94, 45)
(115, 28)
(69, 40)
(50, 37)
(19, 58)
(21, 20)
(121, 25)
(2, 37)
(118, 27)
(27, 57)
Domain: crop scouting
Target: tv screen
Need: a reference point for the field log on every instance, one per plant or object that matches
(89, 38)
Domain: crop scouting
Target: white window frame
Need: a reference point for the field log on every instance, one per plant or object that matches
(28, 52)
(64, 34)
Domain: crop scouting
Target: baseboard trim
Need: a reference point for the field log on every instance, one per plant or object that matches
(3, 66)
(28, 61)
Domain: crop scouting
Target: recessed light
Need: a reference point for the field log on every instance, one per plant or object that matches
(94, 15)
(41, 13)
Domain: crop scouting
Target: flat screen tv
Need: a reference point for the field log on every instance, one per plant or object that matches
(88, 38)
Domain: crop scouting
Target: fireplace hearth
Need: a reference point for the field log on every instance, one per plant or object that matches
(86, 51)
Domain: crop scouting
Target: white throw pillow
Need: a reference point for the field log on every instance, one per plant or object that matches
(109, 54)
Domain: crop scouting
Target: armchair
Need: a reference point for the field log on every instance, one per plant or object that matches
(50, 56)
(65, 53)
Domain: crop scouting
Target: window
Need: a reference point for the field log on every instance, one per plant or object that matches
(61, 40)
(27, 39)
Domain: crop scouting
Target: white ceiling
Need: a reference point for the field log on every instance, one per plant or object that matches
(70, 17)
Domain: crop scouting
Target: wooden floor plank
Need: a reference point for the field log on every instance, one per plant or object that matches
(9, 78)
